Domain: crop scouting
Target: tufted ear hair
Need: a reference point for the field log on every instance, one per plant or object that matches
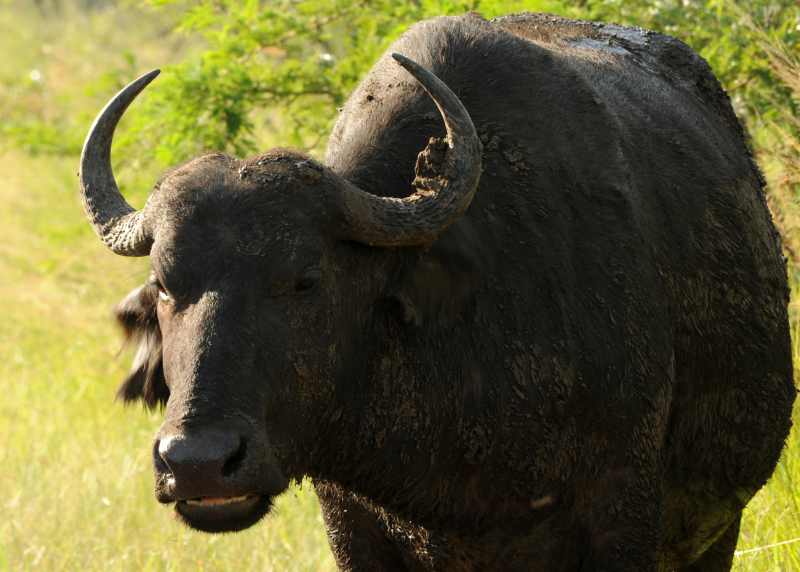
(137, 316)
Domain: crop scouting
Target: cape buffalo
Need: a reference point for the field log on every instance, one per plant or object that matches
(555, 339)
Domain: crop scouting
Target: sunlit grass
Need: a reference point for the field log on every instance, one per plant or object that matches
(770, 538)
(76, 482)
(75, 469)
(773, 516)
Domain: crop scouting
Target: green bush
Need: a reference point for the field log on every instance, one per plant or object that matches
(265, 73)
(277, 70)
(63, 58)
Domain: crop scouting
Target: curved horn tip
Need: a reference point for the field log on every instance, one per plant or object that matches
(420, 218)
(404, 61)
(136, 86)
(147, 77)
(117, 224)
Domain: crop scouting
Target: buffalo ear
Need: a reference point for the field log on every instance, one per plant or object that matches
(137, 316)
(437, 287)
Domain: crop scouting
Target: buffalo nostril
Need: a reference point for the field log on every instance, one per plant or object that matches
(235, 461)
(159, 461)
(200, 458)
(165, 453)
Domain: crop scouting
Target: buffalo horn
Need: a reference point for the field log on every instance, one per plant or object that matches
(119, 225)
(438, 199)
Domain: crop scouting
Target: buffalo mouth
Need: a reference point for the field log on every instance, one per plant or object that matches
(223, 514)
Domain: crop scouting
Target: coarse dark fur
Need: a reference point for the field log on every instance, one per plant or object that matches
(590, 370)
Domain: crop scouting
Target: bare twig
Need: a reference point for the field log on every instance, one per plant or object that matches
(767, 547)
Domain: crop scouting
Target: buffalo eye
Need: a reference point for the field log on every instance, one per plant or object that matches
(163, 295)
(308, 280)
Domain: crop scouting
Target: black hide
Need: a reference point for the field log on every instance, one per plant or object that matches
(589, 370)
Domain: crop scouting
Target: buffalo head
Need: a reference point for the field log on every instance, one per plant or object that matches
(254, 295)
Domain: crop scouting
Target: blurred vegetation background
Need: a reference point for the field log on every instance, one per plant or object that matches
(241, 76)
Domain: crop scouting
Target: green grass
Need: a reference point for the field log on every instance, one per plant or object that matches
(75, 469)
(76, 480)
(75, 476)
